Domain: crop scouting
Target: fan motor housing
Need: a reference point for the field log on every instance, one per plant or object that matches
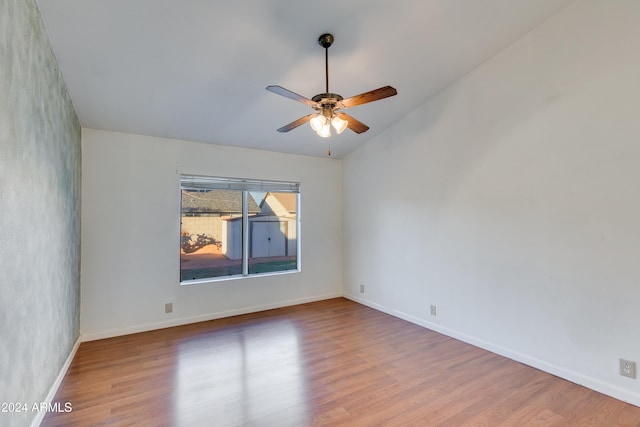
(326, 98)
(328, 102)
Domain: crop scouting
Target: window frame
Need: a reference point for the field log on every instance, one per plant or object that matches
(245, 186)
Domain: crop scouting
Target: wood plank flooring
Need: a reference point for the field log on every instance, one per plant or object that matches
(330, 363)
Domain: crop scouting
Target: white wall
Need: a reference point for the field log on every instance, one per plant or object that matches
(130, 232)
(511, 201)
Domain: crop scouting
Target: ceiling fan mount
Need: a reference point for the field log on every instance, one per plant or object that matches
(325, 40)
(328, 104)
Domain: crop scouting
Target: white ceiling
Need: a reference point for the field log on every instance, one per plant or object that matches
(197, 69)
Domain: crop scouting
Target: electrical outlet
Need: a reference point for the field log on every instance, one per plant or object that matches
(627, 368)
(433, 310)
(362, 289)
(168, 307)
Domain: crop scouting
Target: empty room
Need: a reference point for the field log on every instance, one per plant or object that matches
(351, 213)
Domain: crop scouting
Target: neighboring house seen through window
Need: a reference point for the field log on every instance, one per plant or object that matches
(235, 228)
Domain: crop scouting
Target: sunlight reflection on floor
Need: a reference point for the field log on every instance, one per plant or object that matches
(250, 373)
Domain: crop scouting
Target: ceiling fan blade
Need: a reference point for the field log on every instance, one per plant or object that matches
(373, 95)
(295, 124)
(354, 124)
(279, 90)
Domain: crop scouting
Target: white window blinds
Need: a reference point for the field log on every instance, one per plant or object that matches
(195, 182)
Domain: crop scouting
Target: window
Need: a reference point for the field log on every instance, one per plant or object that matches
(237, 228)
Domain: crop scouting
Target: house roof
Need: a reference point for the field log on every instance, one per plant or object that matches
(279, 203)
(215, 201)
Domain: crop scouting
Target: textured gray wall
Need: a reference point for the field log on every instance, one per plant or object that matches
(39, 212)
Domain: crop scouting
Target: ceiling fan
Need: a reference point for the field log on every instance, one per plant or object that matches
(328, 105)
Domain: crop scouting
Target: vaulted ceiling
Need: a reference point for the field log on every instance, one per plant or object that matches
(197, 69)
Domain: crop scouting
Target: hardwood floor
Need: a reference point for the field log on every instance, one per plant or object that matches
(334, 363)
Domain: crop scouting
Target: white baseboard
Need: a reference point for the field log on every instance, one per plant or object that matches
(575, 377)
(202, 318)
(56, 384)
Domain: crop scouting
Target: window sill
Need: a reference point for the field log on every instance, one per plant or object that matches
(237, 277)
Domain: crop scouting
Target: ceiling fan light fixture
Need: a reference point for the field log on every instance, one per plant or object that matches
(338, 124)
(317, 122)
